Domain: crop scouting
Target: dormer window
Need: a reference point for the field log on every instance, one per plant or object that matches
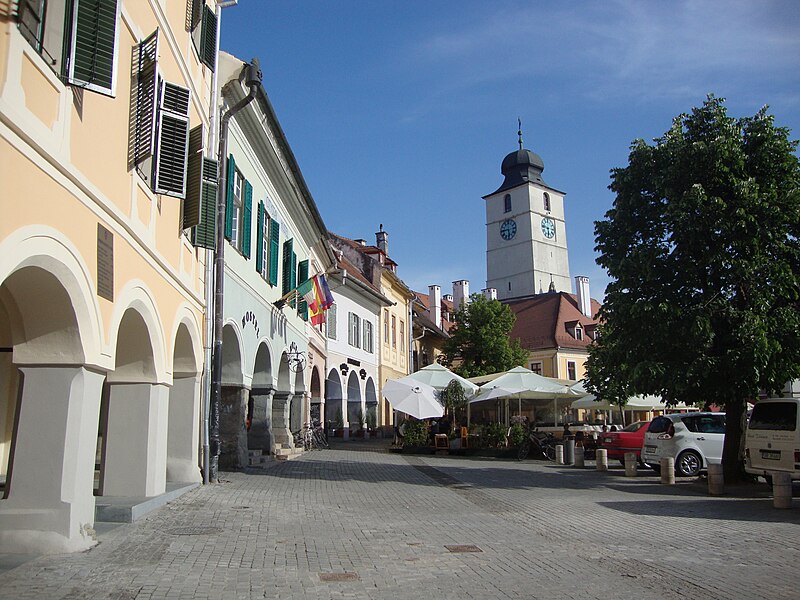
(546, 202)
(507, 203)
(578, 332)
(575, 329)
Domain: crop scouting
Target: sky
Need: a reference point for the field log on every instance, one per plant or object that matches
(400, 112)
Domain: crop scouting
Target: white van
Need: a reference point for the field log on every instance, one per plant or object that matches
(772, 441)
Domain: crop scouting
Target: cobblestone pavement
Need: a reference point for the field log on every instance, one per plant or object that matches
(353, 523)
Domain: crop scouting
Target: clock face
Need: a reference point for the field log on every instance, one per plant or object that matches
(548, 228)
(508, 229)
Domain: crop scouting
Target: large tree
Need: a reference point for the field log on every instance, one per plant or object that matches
(702, 247)
(479, 342)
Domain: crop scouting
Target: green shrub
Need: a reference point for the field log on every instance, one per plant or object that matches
(495, 435)
(416, 433)
(517, 435)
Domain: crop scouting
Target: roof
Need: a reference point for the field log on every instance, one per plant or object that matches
(425, 302)
(545, 320)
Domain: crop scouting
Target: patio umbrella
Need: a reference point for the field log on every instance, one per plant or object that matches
(438, 377)
(414, 398)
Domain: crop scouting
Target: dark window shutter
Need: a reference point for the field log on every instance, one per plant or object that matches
(293, 276)
(172, 141)
(288, 247)
(30, 18)
(260, 238)
(302, 275)
(208, 39)
(92, 52)
(146, 98)
(231, 175)
(247, 218)
(194, 179)
(274, 250)
(196, 14)
(205, 234)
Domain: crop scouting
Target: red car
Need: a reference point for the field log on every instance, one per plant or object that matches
(629, 439)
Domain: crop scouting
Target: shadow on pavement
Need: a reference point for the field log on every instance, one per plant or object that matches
(755, 510)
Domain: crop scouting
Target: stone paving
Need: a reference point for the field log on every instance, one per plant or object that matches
(357, 523)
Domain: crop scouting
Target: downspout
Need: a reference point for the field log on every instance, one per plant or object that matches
(252, 77)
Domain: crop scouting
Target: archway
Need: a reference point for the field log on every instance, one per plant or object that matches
(233, 403)
(371, 403)
(317, 401)
(334, 410)
(259, 408)
(297, 407)
(183, 431)
(281, 399)
(49, 402)
(355, 404)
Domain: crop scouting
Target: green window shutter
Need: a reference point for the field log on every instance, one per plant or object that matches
(194, 179)
(92, 49)
(172, 141)
(247, 217)
(302, 275)
(229, 198)
(208, 39)
(260, 238)
(286, 279)
(274, 249)
(195, 13)
(145, 106)
(293, 275)
(204, 235)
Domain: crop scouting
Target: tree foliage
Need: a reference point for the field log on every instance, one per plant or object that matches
(454, 399)
(479, 343)
(702, 247)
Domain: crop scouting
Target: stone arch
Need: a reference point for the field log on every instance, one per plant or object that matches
(334, 398)
(317, 400)
(259, 405)
(371, 402)
(262, 368)
(188, 358)
(297, 406)
(232, 353)
(355, 403)
(233, 401)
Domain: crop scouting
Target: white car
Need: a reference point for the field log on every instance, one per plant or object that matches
(772, 442)
(694, 440)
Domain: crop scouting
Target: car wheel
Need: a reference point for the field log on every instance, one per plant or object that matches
(622, 461)
(688, 464)
(656, 468)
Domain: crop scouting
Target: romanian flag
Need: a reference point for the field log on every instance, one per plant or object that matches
(323, 291)
(317, 294)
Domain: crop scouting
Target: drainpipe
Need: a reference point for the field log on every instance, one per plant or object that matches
(252, 77)
(209, 262)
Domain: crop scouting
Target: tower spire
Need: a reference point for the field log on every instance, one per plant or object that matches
(519, 132)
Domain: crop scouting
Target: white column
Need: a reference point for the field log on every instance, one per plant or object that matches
(136, 440)
(50, 507)
(183, 440)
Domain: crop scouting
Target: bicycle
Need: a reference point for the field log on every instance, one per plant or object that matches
(545, 444)
(311, 437)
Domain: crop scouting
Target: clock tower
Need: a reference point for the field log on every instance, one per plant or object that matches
(526, 236)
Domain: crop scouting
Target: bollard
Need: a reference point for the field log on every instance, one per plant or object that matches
(579, 457)
(569, 452)
(716, 481)
(601, 459)
(559, 454)
(630, 464)
(781, 489)
(668, 470)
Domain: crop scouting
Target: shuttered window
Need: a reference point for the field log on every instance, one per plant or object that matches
(204, 235)
(145, 99)
(353, 330)
(172, 140)
(230, 181)
(368, 337)
(247, 218)
(204, 32)
(330, 321)
(274, 250)
(288, 253)
(93, 45)
(260, 237)
(194, 179)
(302, 275)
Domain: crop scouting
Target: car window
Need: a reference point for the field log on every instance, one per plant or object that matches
(691, 423)
(659, 425)
(634, 426)
(774, 416)
(711, 424)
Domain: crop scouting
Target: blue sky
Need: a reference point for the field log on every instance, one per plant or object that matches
(400, 112)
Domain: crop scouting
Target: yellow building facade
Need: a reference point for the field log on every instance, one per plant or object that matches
(104, 124)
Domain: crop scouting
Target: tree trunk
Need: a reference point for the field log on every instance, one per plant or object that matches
(733, 450)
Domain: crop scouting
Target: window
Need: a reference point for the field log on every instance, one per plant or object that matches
(200, 204)
(572, 374)
(84, 50)
(547, 202)
(386, 327)
(394, 331)
(368, 345)
(302, 275)
(578, 332)
(402, 336)
(354, 330)
(330, 322)
(507, 203)
(536, 367)
(263, 241)
(289, 268)
(774, 416)
(237, 204)
(204, 32)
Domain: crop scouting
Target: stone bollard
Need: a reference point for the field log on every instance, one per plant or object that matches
(579, 458)
(630, 464)
(716, 481)
(601, 459)
(559, 454)
(668, 470)
(569, 452)
(781, 489)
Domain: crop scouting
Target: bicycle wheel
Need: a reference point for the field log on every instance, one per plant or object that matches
(550, 452)
(319, 439)
(524, 450)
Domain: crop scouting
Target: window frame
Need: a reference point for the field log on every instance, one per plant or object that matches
(354, 330)
(507, 203)
(573, 375)
(367, 333)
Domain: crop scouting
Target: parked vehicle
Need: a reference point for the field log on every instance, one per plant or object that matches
(772, 439)
(694, 440)
(628, 439)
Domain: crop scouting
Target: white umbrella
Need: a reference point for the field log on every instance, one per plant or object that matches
(414, 398)
(438, 377)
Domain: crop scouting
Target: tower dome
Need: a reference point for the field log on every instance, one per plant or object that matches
(521, 166)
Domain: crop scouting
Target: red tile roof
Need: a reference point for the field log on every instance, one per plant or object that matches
(542, 321)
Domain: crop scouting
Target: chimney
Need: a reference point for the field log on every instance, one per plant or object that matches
(382, 241)
(490, 293)
(460, 293)
(448, 297)
(582, 291)
(361, 242)
(435, 309)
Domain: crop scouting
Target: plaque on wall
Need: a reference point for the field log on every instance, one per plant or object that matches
(105, 263)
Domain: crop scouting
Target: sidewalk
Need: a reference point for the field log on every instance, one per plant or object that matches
(359, 521)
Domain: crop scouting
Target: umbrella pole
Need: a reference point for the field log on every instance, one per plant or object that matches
(519, 405)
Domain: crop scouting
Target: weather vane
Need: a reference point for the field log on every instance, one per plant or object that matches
(519, 132)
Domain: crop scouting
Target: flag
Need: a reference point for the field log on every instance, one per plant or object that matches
(324, 292)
